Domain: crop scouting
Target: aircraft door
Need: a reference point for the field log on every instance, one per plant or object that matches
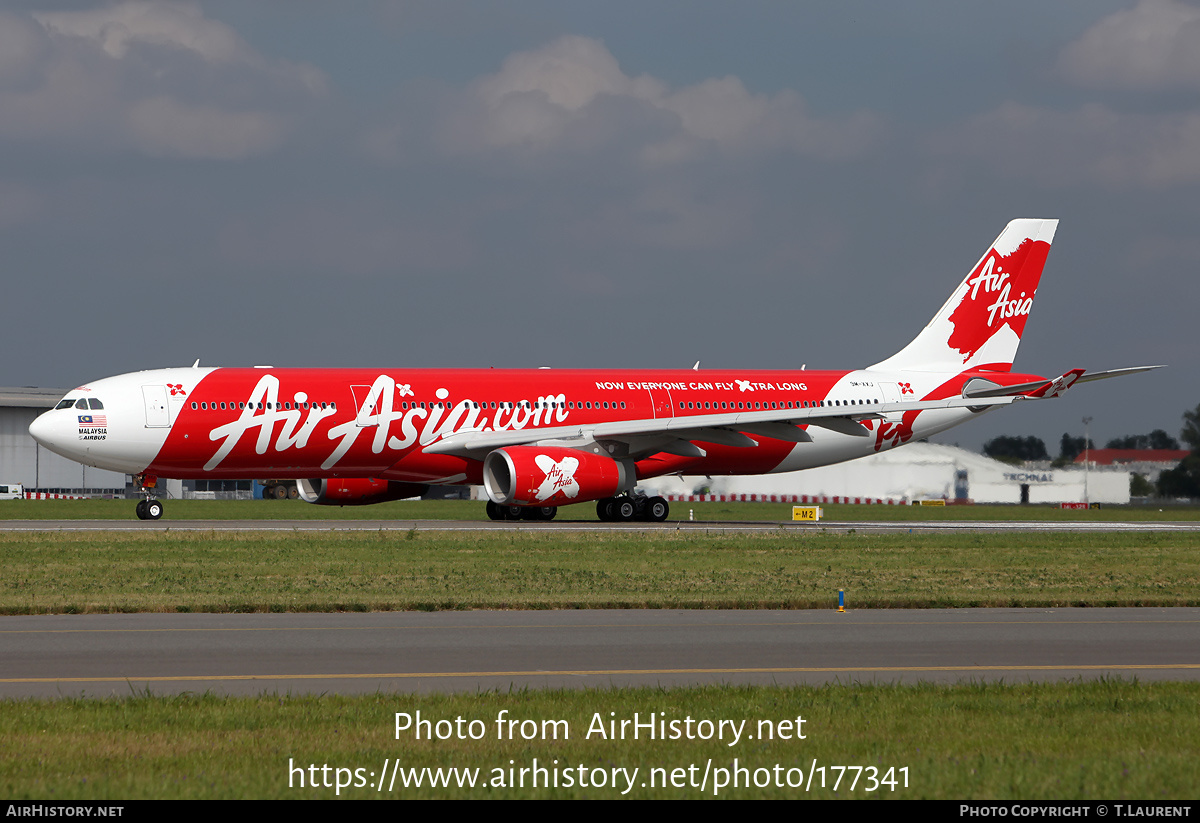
(891, 394)
(660, 403)
(366, 404)
(155, 398)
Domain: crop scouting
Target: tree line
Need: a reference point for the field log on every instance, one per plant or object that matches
(1181, 481)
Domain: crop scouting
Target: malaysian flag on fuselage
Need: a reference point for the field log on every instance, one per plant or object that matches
(93, 420)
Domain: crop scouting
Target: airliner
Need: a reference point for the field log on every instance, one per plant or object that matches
(537, 439)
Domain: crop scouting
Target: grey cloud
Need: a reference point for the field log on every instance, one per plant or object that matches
(1152, 47)
(1085, 146)
(164, 127)
(174, 26)
(20, 203)
(355, 238)
(24, 46)
(159, 78)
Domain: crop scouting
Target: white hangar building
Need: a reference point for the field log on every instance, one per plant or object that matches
(24, 461)
(922, 471)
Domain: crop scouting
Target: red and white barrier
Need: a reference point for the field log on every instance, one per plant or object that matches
(49, 496)
(781, 498)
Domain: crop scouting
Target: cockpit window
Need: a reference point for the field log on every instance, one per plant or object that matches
(81, 403)
(65, 403)
(94, 403)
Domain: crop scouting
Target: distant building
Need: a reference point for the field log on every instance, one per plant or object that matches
(24, 461)
(1149, 463)
(923, 471)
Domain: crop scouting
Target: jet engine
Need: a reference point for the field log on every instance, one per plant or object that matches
(552, 476)
(356, 491)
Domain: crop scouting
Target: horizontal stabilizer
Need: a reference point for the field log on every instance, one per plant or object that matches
(977, 387)
(1087, 377)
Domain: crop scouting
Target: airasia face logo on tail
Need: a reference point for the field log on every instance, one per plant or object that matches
(999, 293)
(560, 476)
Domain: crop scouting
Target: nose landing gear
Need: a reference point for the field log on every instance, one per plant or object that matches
(150, 508)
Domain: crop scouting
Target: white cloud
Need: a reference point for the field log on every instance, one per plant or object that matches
(160, 78)
(724, 112)
(178, 25)
(1153, 46)
(572, 90)
(570, 72)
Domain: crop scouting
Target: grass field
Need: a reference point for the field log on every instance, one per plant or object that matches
(473, 510)
(389, 570)
(1106, 739)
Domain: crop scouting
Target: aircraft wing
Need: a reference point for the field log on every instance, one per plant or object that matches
(730, 428)
(674, 435)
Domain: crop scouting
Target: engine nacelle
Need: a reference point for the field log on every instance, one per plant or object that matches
(356, 491)
(552, 476)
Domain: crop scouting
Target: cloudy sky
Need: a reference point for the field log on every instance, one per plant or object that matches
(570, 184)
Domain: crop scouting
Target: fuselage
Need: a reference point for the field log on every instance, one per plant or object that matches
(326, 423)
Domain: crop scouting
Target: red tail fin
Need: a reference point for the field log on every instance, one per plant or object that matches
(981, 324)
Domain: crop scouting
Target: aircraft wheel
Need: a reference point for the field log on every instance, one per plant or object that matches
(604, 509)
(140, 510)
(154, 510)
(493, 511)
(542, 512)
(656, 510)
(512, 512)
(624, 510)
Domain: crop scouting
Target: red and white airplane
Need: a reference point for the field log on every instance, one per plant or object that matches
(537, 439)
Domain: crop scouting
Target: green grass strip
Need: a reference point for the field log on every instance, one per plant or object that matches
(70, 572)
(1094, 740)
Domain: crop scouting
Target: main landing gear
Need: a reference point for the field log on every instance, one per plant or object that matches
(497, 512)
(150, 508)
(634, 507)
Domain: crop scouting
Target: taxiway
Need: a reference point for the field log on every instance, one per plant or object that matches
(102, 655)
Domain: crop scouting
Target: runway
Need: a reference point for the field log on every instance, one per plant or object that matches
(897, 527)
(414, 652)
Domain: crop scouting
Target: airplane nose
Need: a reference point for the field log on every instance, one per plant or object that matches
(42, 429)
(53, 432)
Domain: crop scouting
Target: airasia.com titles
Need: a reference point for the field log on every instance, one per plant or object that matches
(378, 415)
